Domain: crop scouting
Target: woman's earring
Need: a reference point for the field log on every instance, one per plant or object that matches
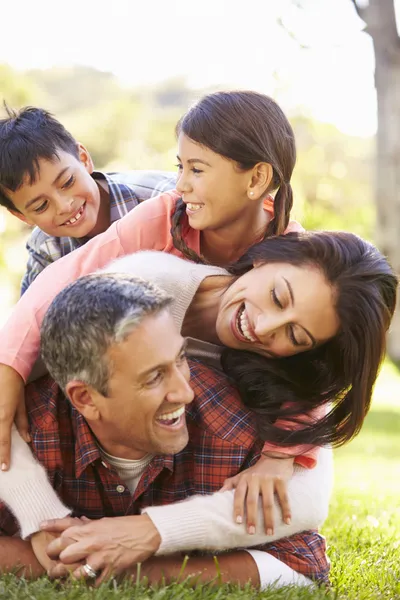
(251, 193)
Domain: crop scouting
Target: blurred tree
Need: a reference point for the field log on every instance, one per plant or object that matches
(380, 19)
(332, 179)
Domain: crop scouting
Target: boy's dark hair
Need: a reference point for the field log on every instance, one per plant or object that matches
(26, 136)
(246, 127)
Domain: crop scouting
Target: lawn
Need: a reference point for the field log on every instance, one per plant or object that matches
(363, 529)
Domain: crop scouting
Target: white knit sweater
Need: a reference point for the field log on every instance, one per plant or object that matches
(202, 522)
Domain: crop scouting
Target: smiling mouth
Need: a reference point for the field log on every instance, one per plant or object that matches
(193, 207)
(76, 216)
(243, 325)
(172, 419)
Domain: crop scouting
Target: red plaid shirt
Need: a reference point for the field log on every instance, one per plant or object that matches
(222, 441)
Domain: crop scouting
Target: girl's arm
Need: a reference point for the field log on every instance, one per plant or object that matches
(146, 227)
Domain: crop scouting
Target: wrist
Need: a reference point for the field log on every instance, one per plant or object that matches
(151, 535)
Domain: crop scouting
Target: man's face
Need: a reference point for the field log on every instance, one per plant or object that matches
(64, 201)
(148, 390)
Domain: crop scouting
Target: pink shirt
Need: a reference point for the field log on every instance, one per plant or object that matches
(147, 227)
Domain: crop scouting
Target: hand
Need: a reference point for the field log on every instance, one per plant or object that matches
(266, 478)
(39, 542)
(12, 406)
(110, 545)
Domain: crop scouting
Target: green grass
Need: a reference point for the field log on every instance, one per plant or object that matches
(363, 529)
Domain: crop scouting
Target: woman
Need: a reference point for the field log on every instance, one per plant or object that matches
(327, 297)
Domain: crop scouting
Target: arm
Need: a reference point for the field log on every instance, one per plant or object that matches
(198, 523)
(304, 455)
(206, 522)
(17, 556)
(26, 490)
(145, 227)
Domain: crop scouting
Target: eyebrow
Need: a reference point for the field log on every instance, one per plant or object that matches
(61, 173)
(155, 367)
(195, 160)
(290, 290)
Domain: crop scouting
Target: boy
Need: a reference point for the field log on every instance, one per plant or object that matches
(47, 179)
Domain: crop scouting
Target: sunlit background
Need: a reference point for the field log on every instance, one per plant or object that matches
(120, 73)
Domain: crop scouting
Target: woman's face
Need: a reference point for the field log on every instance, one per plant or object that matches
(278, 310)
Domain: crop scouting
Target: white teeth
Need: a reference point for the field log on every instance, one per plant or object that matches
(244, 326)
(194, 207)
(173, 415)
(76, 218)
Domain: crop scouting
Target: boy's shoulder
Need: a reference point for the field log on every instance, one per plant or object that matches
(49, 245)
(144, 183)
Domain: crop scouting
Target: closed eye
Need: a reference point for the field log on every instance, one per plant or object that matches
(275, 299)
(68, 183)
(42, 207)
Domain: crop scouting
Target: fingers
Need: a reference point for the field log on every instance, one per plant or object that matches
(6, 421)
(239, 500)
(267, 492)
(60, 525)
(57, 546)
(79, 550)
(281, 492)
(98, 564)
(21, 422)
(229, 484)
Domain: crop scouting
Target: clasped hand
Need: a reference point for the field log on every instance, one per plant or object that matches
(111, 546)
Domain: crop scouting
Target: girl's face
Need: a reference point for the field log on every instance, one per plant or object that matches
(212, 187)
(277, 310)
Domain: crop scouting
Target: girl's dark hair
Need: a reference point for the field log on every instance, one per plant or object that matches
(343, 370)
(248, 128)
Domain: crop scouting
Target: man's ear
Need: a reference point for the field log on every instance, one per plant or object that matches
(85, 158)
(83, 397)
(20, 216)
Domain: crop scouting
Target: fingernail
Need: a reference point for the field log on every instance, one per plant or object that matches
(4, 466)
(239, 519)
(269, 531)
(28, 438)
(288, 520)
(43, 524)
(252, 530)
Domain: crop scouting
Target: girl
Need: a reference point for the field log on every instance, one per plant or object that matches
(234, 148)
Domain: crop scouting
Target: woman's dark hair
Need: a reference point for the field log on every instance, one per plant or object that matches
(248, 128)
(343, 370)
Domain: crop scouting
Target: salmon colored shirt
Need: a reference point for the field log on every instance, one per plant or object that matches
(147, 227)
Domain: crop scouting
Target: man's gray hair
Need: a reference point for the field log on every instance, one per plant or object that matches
(88, 317)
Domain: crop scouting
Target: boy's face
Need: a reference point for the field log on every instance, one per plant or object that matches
(64, 201)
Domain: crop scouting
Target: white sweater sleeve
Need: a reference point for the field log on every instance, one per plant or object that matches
(206, 522)
(26, 490)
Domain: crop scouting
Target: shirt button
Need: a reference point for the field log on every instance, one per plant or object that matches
(120, 489)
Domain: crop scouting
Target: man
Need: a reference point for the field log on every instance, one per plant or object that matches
(135, 434)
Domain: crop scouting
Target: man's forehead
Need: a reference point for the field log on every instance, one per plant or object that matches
(155, 342)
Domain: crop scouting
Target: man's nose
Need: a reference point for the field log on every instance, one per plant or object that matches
(181, 391)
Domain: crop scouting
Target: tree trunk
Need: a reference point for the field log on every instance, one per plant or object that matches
(379, 16)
